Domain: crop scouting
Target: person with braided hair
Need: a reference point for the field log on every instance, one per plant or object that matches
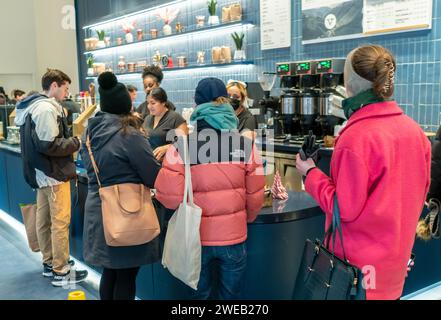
(152, 77)
(380, 173)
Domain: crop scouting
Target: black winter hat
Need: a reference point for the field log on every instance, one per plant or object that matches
(114, 96)
(209, 90)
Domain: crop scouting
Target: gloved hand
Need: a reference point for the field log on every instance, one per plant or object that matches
(309, 148)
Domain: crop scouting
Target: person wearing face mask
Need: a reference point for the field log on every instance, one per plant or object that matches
(160, 121)
(152, 77)
(380, 173)
(238, 95)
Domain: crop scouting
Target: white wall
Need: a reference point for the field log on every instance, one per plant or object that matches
(33, 39)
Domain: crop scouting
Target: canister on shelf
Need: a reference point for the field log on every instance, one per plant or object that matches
(226, 13)
(226, 54)
(119, 41)
(216, 55)
(179, 27)
(140, 34)
(131, 66)
(122, 64)
(200, 21)
(236, 12)
(154, 33)
(201, 57)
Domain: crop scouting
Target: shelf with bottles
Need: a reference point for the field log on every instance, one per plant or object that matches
(173, 19)
(188, 67)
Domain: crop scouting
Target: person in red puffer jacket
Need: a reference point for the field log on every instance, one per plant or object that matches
(228, 186)
(380, 172)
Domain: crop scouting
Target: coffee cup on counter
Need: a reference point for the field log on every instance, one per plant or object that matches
(226, 54)
(154, 33)
(182, 61)
(200, 21)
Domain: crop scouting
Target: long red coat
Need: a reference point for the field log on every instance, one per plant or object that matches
(380, 170)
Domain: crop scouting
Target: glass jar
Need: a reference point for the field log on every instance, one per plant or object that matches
(121, 64)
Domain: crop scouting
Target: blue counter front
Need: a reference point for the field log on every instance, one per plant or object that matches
(275, 241)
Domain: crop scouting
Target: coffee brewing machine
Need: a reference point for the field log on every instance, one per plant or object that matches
(305, 99)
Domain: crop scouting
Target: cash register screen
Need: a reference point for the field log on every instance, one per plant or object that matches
(255, 91)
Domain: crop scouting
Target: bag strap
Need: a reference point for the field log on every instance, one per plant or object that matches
(335, 228)
(92, 159)
(116, 187)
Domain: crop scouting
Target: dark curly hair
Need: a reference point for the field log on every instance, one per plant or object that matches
(154, 71)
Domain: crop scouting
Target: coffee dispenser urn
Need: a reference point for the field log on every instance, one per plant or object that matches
(289, 99)
(330, 73)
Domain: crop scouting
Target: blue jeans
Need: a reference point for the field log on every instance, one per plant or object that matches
(232, 262)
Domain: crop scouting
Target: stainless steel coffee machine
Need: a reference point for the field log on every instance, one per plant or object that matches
(330, 75)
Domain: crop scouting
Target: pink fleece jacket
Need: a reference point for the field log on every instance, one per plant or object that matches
(380, 170)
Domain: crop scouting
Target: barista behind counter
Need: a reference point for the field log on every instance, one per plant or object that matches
(160, 121)
(237, 91)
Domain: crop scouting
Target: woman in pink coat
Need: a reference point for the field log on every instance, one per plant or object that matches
(228, 185)
(380, 170)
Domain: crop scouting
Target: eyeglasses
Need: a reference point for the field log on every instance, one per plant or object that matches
(236, 82)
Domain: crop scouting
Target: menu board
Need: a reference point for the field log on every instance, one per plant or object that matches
(275, 24)
(347, 19)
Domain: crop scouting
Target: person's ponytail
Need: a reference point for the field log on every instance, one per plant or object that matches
(376, 64)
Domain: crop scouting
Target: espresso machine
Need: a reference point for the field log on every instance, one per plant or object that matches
(308, 108)
(268, 105)
(330, 75)
(289, 98)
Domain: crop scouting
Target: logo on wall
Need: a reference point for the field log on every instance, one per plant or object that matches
(330, 21)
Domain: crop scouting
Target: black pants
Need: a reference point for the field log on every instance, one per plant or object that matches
(118, 284)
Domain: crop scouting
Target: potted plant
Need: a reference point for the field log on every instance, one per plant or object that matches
(167, 15)
(101, 39)
(90, 61)
(128, 28)
(213, 19)
(239, 54)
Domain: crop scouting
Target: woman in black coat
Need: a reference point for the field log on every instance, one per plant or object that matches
(123, 155)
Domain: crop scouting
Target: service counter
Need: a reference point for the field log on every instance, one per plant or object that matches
(275, 240)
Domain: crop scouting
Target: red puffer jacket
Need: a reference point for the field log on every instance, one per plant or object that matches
(229, 194)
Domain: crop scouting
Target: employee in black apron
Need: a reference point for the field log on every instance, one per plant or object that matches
(239, 100)
(162, 124)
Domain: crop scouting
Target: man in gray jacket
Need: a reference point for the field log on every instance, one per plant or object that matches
(48, 167)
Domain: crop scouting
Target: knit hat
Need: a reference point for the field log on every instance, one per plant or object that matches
(114, 96)
(209, 90)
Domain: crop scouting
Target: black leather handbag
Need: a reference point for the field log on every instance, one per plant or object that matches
(324, 276)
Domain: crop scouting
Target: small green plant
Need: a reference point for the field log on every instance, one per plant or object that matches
(238, 40)
(212, 7)
(101, 35)
(90, 61)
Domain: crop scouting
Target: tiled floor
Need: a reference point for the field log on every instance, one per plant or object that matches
(20, 272)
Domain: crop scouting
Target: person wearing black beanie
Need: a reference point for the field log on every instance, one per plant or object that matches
(114, 96)
(123, 154)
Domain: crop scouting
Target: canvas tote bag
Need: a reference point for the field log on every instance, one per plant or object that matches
(182, 247)
(129, 217)
(29, 213)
